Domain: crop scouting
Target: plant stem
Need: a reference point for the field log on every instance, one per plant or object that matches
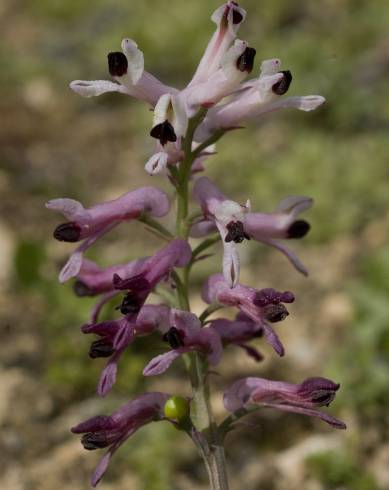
(212, 449)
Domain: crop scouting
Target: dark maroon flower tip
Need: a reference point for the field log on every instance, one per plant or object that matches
(236, 232)
(81, 289)
(174, 337)
(298, 229)
(117, 64)
(67, 232)
(245, 62)
(164, 132)
(237, 17)
(275, 313)
(281, 87)
(131, 304)
(101, 348)
(92, 441)
(320, 391)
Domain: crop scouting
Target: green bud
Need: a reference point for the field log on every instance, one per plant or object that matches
(177, 408)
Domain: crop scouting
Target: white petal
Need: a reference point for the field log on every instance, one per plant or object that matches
(71, 209)
(229, 60)
(135, 60)
(270, 67)
(161, 109)
(180, 118)
(72, 267)
(307, 103)
(157, 163)
(90, 88)
(229, 211)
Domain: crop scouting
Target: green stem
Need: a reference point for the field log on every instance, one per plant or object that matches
(201, 411)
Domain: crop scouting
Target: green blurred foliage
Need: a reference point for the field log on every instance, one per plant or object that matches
(339, 470)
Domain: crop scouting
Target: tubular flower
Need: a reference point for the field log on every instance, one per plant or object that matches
(256, 98)
(111, 431)
(184, 335)
(117, 335)
(177, 253)
(228, 18)
(127, 68)
(92, 223)
(261, 306)
(302, 398)
(238, 332)
(93, 280)
(236, 223)
(227, 216)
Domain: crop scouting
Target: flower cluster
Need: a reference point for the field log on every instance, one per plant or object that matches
(186, 124)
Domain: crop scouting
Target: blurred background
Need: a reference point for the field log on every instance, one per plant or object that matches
(55, 144)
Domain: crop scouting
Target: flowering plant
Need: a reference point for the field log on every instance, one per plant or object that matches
(186, 125)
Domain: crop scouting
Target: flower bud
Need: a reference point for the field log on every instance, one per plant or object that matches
(177, 408)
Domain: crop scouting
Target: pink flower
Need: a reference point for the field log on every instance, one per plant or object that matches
(127, 68)
(185, 335)
(113, 430)
(302, 398)
(256, 98)
(261, 306)
(117, 335)
(236, 223)
(92, 223)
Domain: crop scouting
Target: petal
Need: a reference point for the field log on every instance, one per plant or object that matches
(180, 119)
(231, 261)
(72, 266)
(90, 88)
(135, 60)
(101, 469)
(273, 339)
(157, 164)
(202, 228)
(252, 352)
(221, 40)
(295, 204)
(94, 424)
(124, 336)
(239, 393)
(161, 363)
(71, 209)
(108, 375)
(306, 103)
(329, 419)
(288, 253)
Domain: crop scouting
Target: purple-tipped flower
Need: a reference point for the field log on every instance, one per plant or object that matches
(235, 65)
(177, 253)
(91, 223)
(112, 431)
(302, 398)
(238, 332)
(261, 306)
(228, 18)
(116, 335)
(228, 217)
(93, 280)
(236, 223)
(127, 68)
(184, 335)
(256, 98)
